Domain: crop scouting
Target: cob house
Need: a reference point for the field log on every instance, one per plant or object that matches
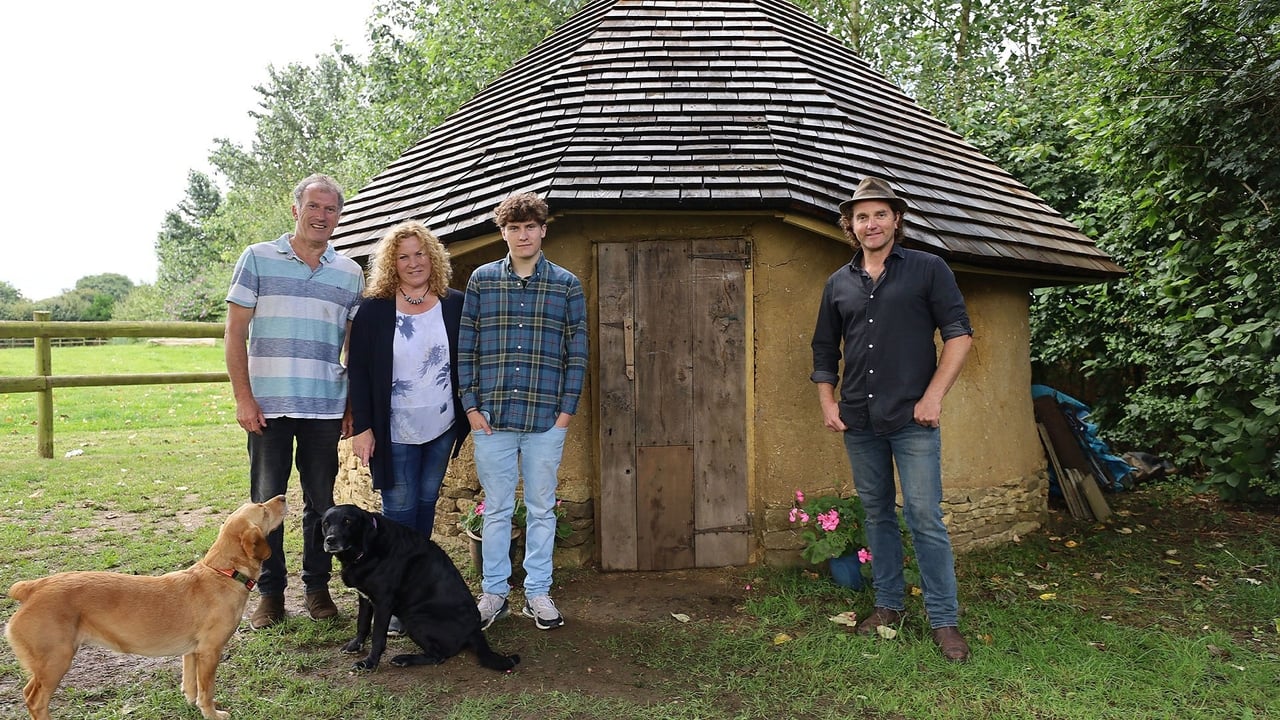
(693, 156)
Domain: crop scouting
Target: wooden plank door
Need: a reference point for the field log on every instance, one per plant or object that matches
(672, 404)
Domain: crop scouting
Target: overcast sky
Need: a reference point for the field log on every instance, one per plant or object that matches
(107, 105)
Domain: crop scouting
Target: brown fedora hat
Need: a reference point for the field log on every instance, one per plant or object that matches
(873, 188)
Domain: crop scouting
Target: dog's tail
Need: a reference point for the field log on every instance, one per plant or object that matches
(21, 590)
(489, 658)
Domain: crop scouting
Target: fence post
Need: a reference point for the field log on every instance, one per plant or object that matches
(44, 396)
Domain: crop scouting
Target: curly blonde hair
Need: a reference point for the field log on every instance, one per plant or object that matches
(383, 279)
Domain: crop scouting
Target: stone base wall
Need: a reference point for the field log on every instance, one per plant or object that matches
(976, 518)
(458, 497)
(982, 517)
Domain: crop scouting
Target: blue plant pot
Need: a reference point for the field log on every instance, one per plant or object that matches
(846, 571)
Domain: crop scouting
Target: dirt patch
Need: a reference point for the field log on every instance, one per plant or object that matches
(605, 613)
(184, 521)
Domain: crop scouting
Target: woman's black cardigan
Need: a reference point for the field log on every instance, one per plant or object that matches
(369, 375)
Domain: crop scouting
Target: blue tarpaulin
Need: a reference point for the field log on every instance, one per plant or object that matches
(1115, 470)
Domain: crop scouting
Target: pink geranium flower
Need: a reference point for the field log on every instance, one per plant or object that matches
(829, 520)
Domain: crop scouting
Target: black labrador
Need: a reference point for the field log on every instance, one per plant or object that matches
(399, 572)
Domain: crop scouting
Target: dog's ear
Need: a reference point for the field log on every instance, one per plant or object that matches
(255, 544)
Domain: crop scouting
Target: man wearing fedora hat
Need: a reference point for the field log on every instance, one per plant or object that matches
(879, 314)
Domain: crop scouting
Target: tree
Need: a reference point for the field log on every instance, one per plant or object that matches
(1172, 107)
(311, 118)
(194, 250)
(13, 306)
(70, 306)
(112, 285)
(99, 293)
(958, 60)
(144, 302)
(9, 293)
(427, 59)
(187, 244)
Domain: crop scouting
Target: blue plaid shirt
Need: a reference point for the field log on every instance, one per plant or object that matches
(522, 345)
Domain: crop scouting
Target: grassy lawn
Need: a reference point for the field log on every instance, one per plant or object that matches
(1172, 610)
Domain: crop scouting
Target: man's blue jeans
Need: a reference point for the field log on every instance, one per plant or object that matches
(501, 459)
(917, 451)
(417, 474)
(270, 457)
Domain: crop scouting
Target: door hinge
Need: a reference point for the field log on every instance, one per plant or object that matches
(742, 257)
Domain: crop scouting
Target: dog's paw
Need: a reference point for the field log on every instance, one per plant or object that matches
(365, 665)
(352, 647)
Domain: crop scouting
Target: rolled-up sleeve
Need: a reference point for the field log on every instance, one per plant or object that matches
(946, 302)
(828, 338)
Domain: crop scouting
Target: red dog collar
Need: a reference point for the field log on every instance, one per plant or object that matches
(238, 576)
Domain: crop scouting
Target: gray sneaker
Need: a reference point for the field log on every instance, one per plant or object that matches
(492, 607)
(543, 611)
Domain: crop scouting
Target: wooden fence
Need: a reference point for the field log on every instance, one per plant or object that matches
(41, 329)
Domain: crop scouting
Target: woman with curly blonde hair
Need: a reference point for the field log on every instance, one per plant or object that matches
(403, 360)
(384, 280)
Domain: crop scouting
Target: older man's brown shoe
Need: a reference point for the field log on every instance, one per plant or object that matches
(320, 606)
(270, 611)
(879, 616)
(951, 643)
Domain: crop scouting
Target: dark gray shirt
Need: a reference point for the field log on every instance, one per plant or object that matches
(884, 332)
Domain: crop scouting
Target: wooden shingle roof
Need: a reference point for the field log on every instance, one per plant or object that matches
(727, 106)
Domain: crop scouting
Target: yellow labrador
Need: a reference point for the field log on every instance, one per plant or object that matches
(190, 612)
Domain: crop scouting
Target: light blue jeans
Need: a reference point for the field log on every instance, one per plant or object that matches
(417, 474)
(917, 451)
(501, 460)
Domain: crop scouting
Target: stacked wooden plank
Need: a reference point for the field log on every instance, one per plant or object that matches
(1070, 465)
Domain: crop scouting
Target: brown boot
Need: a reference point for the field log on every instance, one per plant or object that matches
(951, 643)
(879, 616)
(270, 611)
(320, 606)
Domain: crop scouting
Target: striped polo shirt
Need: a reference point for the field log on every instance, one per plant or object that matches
(299, 322)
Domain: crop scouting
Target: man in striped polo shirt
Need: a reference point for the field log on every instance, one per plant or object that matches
(292, 301)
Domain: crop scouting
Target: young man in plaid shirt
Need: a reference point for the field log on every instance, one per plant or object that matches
(522, 361)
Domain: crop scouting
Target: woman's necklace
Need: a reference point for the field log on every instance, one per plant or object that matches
(414, 301)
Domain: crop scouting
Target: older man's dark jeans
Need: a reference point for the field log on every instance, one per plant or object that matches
(271, 457)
